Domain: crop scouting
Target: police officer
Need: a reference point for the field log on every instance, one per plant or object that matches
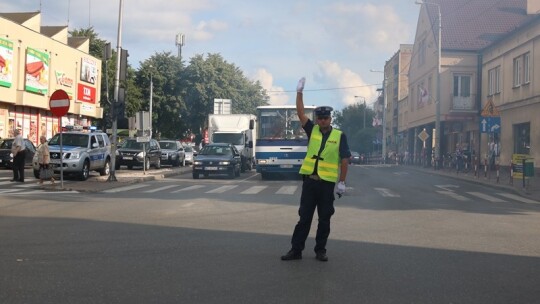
(327, 152)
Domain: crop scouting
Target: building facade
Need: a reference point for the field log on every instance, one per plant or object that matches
(35, 61)
(487, 60)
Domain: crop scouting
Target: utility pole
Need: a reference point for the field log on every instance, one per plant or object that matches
(180, 42)
(112, 176)
(364, 121)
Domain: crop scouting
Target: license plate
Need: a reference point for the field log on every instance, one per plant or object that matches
(128, 157)
(286, 166)
(210, 168)
(55, 161)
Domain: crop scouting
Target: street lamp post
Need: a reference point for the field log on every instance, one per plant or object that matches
(385, 82)
(364, 109)
(437, 133)
(151, 97)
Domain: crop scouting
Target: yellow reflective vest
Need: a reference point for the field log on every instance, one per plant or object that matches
(328, 164)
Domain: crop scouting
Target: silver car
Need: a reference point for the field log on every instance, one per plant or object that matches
(82, 152)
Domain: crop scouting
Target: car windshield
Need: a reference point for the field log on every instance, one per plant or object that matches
(76, 140)
(167, 145)
(6, 144)
(216, 150)
(132, 144)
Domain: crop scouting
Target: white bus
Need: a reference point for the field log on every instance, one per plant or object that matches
(281, 142)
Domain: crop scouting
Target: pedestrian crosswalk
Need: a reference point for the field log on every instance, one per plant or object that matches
(211, 189)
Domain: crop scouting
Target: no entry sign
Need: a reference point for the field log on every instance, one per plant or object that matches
(59, 103)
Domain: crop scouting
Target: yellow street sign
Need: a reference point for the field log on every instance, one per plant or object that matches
(490, 110)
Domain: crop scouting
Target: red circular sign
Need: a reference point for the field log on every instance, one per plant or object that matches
(59, 103)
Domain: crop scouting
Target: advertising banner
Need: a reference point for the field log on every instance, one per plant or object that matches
(37, 71)
(88, 70)
(6, 63)
(86, 93)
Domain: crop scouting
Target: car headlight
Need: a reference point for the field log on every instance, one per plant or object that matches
(75, 155)
(224, 163)
(140, 155)
(197, 162)
(261, 161)
(116, 152)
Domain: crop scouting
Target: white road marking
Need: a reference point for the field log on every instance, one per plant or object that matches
(222, 189)
(253, 190)
(287, 190)
(126, 188)
(518, 198)
(386, 192)
(454, 195)
(446, 187)
(160, 188)
(189, 188)
(487, 197)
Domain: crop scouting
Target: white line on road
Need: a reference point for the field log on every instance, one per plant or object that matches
(287, 190)
(386, 192)
(222, 189)
(160, 188)
(454, 195)
(487, 197)
(254, 190)
(189, 188)
(126, 188)
(518, 198)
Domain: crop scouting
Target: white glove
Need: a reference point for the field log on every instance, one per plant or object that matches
(341, 188)
(300, 86)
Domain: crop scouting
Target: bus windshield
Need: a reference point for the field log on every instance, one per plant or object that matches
(281, 123)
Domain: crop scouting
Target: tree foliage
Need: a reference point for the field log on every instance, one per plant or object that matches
(212, 77)
(351, 121)
(182, 96)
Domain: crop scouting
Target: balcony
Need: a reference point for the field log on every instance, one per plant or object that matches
(463, 104)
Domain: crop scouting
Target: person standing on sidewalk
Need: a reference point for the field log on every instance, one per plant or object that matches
(18, 150)
(43, 156)
(327, 151)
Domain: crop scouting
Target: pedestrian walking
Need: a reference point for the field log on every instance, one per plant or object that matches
(327, 152)
(43, 157)
(18, 150)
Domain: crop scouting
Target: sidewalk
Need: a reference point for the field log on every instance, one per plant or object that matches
(97, 183)
(489, 178)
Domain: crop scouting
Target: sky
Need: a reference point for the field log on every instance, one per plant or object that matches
(339, 46)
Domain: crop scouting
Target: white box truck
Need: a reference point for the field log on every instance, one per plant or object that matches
(237, 129)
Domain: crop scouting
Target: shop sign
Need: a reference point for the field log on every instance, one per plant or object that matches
(86, 93)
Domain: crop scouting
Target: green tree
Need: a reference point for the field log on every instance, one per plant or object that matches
(168, 107)
(351, 121)
(205, 79)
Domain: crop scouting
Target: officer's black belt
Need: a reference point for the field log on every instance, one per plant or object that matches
(317, 157)
(314, 177)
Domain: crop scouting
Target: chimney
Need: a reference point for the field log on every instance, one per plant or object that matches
(533, 7)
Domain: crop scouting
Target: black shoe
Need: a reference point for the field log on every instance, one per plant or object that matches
(292, 255)
(13, 180)
(321, 256)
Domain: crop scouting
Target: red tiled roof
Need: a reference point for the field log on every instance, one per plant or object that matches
(475, 24)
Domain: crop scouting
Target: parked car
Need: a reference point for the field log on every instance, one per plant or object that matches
(82, 152)
(189, 154)
(6, 157)
(172, 153)
(355, 158)
(217, 158)
(131, 153)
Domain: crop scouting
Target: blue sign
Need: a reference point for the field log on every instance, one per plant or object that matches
(490, 124)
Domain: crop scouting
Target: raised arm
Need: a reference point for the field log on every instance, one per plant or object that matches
(300, 101)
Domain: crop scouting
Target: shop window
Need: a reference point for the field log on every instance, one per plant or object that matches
(522, 138)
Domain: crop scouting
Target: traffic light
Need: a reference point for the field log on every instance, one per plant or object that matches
(123, 64)
(120, 105)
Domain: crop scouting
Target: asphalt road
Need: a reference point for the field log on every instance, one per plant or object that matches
(420, 239)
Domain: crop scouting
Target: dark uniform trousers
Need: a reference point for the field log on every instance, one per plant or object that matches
(315, 194)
